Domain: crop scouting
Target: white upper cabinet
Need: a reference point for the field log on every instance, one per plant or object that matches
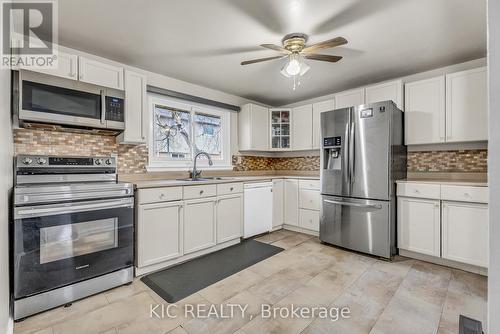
(302, 128)
(467, 106)
(67, 67)
(425, 111)
(392, 90)
(280, 127)
(135, 109)
(99, 73)
(253, 123)
(317, 109)
(350, 98)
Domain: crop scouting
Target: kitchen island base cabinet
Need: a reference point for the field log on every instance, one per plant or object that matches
(199, 224)
(465, 232)
(419, 225)
(229, 217)
(158, 232)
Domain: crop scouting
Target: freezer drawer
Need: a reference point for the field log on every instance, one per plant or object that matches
(361, 225)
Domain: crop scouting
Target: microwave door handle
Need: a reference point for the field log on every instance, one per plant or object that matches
(103, 107)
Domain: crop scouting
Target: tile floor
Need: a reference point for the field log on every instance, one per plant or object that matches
(404, 296)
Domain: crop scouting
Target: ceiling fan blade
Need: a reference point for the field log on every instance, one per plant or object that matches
(332, 59)
(275, 48)
(325, 45)
(253, 61)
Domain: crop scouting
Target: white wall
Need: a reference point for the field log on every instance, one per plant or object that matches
(6, 154)
(494, 165)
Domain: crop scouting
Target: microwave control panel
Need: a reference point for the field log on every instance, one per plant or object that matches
(115, 109)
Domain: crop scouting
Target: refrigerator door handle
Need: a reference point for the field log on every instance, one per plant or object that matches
(351, 154)
(347, 155)
(358, 205)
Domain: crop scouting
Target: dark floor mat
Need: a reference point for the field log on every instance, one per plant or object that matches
(176, 283)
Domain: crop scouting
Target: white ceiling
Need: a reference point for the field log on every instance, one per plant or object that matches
(204, 41)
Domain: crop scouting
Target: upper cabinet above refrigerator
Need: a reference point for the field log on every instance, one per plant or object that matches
(386, 91)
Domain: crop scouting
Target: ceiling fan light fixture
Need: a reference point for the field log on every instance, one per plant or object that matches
(293, 67)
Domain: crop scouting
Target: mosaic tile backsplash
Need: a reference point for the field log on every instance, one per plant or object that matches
(132, 159)
(465, 161)
(247, 163)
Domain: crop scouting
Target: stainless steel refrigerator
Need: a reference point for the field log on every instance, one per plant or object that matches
(362, 155)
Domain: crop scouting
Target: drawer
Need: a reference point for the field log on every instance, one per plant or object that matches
(156, 195)
(465, 194)
(309, 199)
(420, 190)
(229, 188)
(309, 219)
(309, 184)
(206, 190)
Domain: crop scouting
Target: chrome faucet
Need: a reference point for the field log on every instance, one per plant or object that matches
(195, 173)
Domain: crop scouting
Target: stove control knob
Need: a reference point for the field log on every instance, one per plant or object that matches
(109, 162)
(98, 161)
(27, 161)
(41, 161)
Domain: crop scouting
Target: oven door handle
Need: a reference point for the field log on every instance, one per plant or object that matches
(39, 211)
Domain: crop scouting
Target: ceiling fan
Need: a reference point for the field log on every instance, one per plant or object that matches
(294, 48)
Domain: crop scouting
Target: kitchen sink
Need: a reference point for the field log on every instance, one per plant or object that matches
(209, 178)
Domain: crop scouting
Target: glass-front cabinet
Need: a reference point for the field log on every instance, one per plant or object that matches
(280, 129)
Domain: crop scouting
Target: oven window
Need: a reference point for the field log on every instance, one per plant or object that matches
(71, 240)
(58, 100)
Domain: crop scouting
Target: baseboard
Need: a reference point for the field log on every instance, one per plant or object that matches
(444, 262)
(166, 264)
(300, 230)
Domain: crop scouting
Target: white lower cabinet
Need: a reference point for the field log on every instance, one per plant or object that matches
(309, 219)
(419, 225)
(159, 228)
(278, 201)
(229, 217)
(465, 232)
(199, 224)
(291, 207)
(445, 221)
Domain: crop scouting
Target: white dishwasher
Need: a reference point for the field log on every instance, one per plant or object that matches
(258, 208)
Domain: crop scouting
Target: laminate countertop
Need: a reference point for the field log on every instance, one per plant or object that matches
(469, 183)
(158, 183)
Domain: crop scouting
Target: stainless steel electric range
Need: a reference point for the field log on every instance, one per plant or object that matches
(72, 233)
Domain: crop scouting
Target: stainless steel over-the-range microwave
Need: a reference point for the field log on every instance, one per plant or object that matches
(42, 98)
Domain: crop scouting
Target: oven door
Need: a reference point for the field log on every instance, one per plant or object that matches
(60, 244)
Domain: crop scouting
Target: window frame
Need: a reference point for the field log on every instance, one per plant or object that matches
(168, 164)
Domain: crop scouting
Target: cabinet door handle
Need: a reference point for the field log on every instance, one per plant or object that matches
(231, 189)
(201, 192)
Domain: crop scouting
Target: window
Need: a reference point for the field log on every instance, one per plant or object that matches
(181, 129)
